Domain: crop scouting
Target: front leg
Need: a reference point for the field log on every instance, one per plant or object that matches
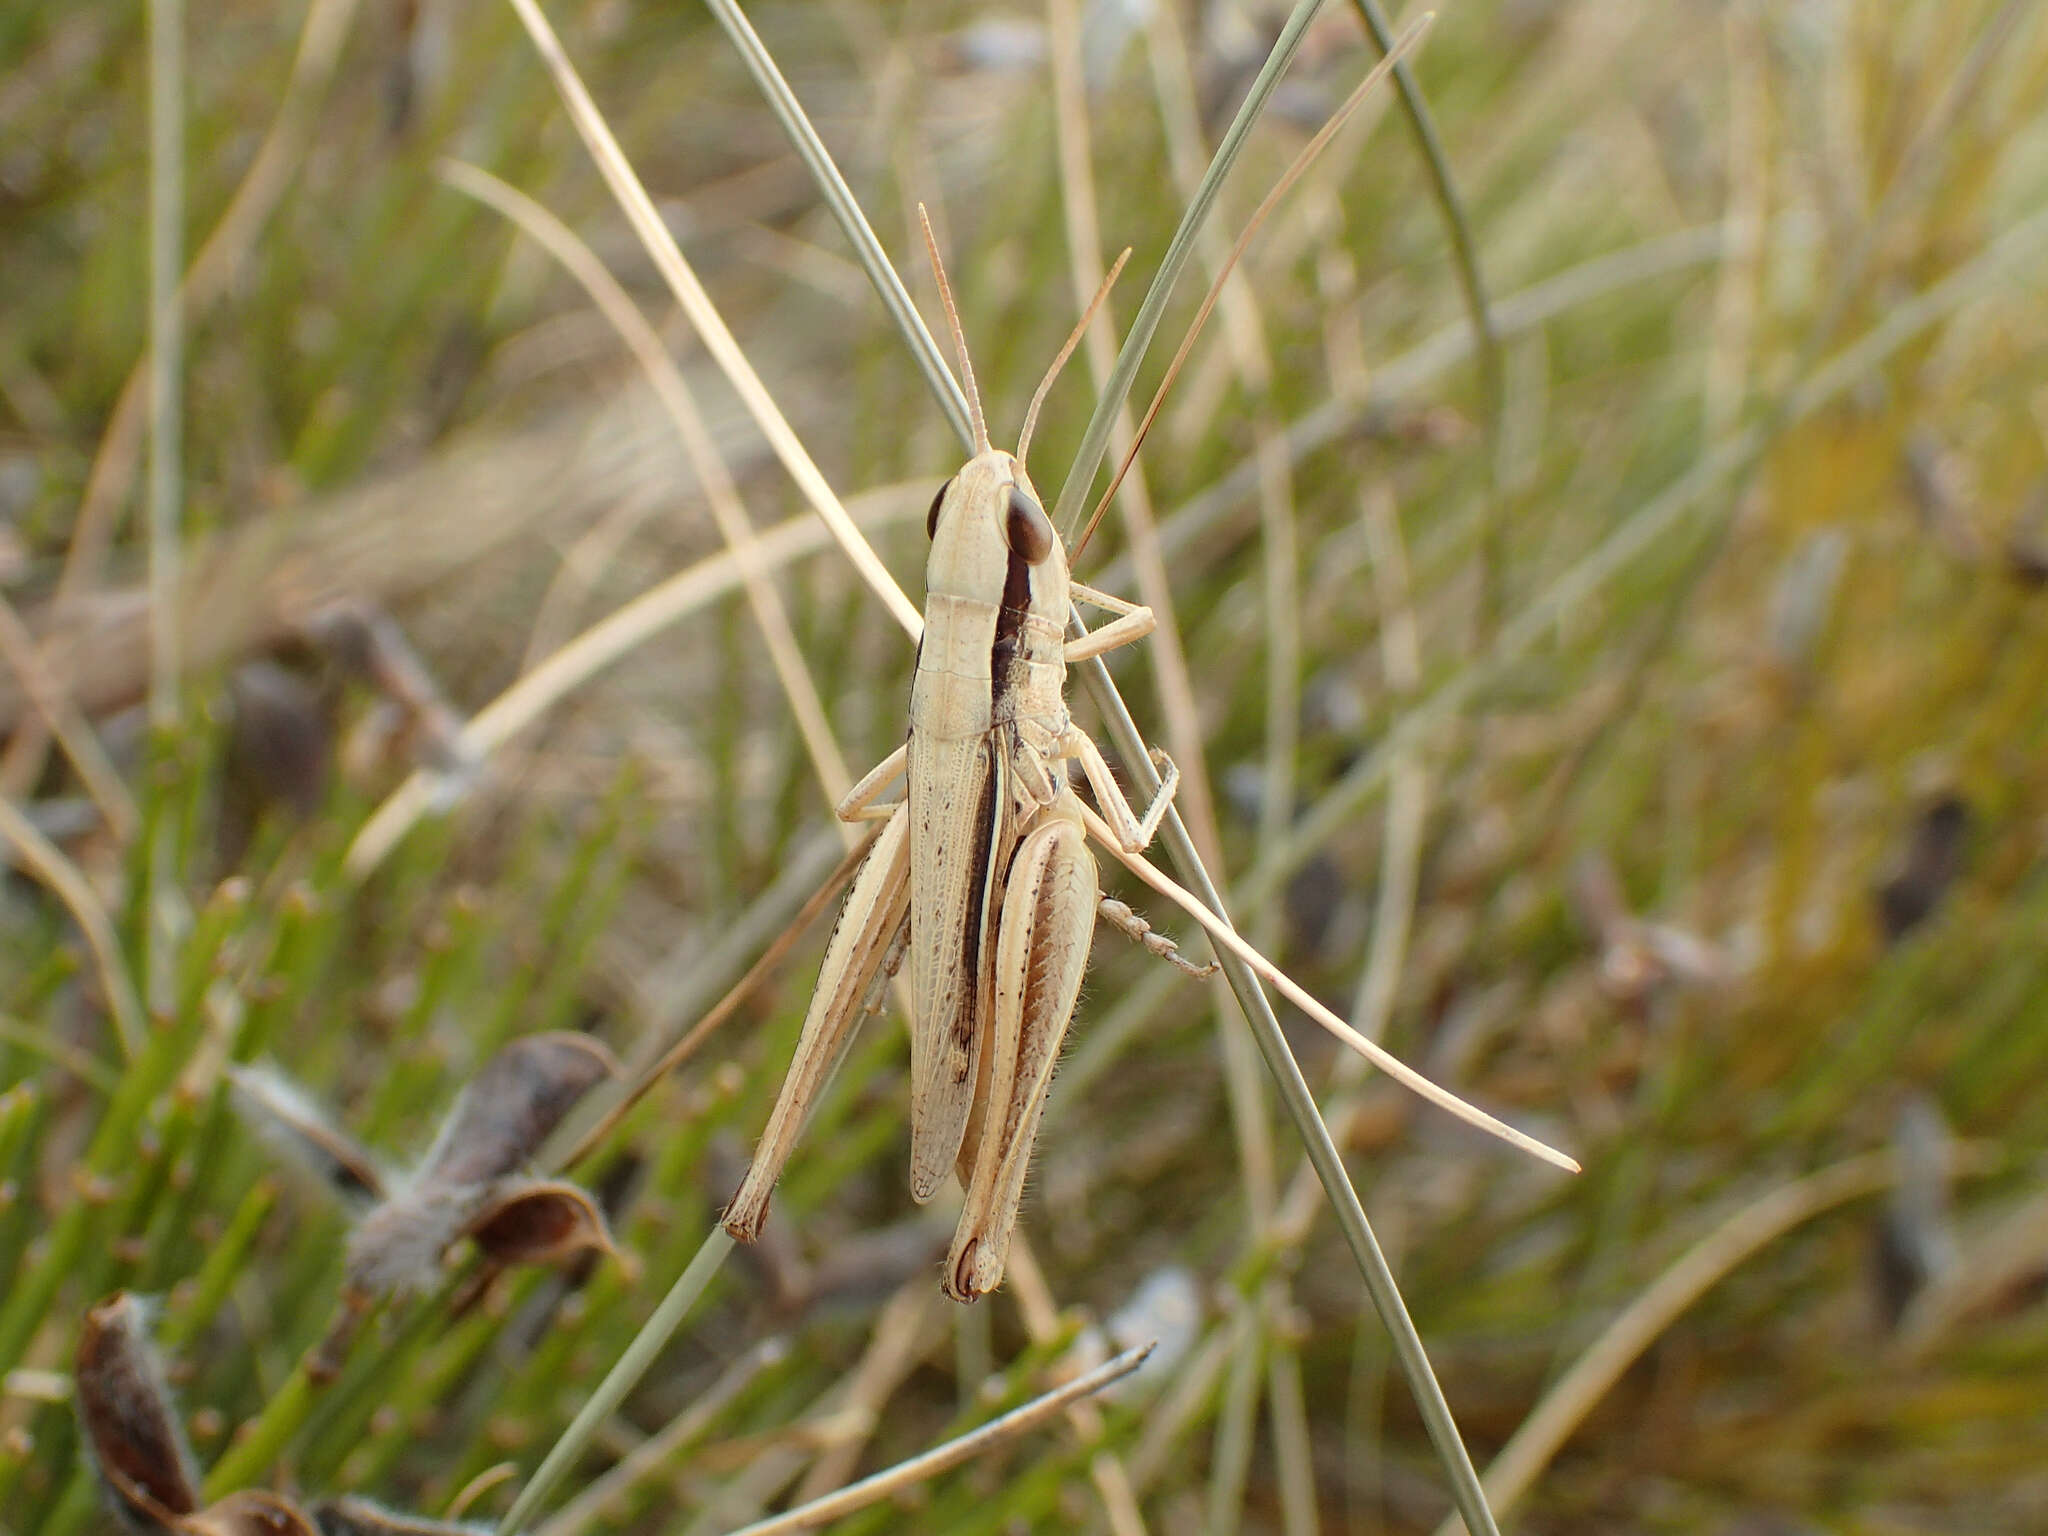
(1134, 621)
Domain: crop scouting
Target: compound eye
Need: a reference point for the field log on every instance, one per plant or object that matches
(931, 518)
(1027, 528)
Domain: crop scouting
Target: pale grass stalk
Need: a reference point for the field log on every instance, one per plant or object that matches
(1178, 1407)
(1080, 478)
(166, 348)
(706, 462)
(1250, 1124)
(906, 1329)
(574, 664)
(1226, 937)
(1244, 334)
(1408, 797)
(46, 861)
(1400, 851)
(1919, 168)
(718, 340)
(845, 207)
(1748, 174)
(1280, 566)
(1085, 267)
(1472, 283)
(624, 1375)
(1904, 322)
(583, 563)
(73, 732)
(941, 1458)
(112, 474)
(1230, 1448)
(1738, 1239)
(1106, 1469)
(1411, 374)
(1173, 87)
(163, 919)
(1293, 1457)
(901, 1338)
(653, 1456)
(1296, 169)
(1299, 1101)
(1251, 361)
(467, 1495)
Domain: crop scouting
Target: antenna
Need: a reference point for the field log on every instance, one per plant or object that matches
(1294, 173)
(959, 339)
(1067, 351)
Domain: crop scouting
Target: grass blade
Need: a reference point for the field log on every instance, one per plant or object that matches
(1095, 440)
(924, 348)
(624, 1375)
(1378, 1276)
(941, 1457)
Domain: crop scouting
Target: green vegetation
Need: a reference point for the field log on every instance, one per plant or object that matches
(1658, 759)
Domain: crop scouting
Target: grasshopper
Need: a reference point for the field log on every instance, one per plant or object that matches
(981, 874)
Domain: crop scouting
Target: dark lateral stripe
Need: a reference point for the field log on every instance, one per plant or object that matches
(966, 1018)
(1009, 630)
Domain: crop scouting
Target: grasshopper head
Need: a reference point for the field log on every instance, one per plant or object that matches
(988, 513)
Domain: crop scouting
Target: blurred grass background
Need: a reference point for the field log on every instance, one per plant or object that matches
(1706, 871)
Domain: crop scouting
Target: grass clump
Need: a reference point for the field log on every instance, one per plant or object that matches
(1654, 756)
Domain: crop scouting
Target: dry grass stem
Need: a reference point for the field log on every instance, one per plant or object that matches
(46, 861)
(1226, 937)
(661, 246)
(727, 510)
(906, 1474)
(1546, 1428)
(615, 636)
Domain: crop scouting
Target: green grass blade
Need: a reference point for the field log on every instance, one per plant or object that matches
(931, 361)
(1066, 511)
(624, 1375)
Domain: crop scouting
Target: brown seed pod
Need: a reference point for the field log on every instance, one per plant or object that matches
(360, 1517)
(397, 1247)
(542, 1222)
(249, 1513)
(124, 1408)
(281, 745)
(1932, 863)
(288, 1119)
(513, 1105)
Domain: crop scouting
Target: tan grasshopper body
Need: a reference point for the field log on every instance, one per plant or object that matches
(982, 872)
(983, 869)
(984, 860)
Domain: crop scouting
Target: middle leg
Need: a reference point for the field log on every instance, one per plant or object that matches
(1134, 834)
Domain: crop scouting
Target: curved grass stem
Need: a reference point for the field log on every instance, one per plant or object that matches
(624, 1375)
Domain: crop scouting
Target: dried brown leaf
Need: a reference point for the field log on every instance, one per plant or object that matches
(131, 1428)
(360, 1517)
(543, 1222)
(249, 1513)
(512, 1106)
(290, 1121)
